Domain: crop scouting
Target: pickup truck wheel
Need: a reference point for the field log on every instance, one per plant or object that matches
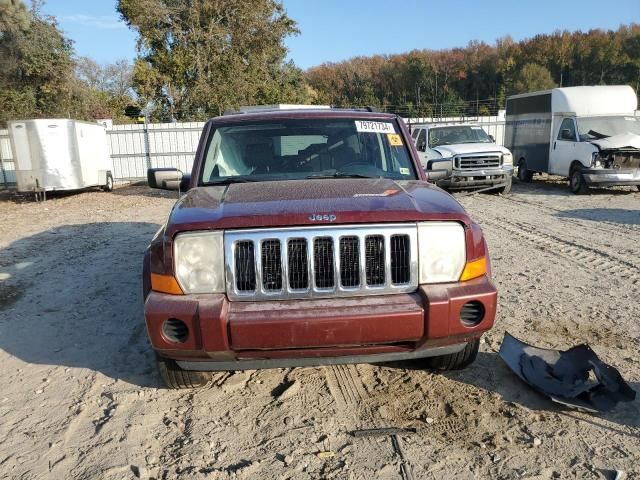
(576, 181)
(108, 187)
(524, 175)
(177, 378)
(507, 187)
(455, 361)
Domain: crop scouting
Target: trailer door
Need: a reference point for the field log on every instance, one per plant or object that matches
(563, 146)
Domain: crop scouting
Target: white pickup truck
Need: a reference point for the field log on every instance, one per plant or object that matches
(463, 156)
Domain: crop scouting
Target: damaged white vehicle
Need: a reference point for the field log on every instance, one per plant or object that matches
(461, 156)
(589, 134)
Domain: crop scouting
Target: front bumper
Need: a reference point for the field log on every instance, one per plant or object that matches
(227, 335)
(610, 177)
(460, 179)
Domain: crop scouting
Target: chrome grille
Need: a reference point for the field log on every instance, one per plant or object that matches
(478, 162)
(321, 262)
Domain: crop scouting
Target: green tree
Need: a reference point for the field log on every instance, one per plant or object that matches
(532, 77)
(202, 57)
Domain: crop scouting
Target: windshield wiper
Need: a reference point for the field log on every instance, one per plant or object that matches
(230, 180)
(339, 175)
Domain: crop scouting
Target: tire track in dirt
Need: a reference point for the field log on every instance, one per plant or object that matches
(585, 257)
(594, 223)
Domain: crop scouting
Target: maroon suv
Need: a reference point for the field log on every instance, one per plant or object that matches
(311, 237)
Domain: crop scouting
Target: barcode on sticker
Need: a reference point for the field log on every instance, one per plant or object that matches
(365, 126)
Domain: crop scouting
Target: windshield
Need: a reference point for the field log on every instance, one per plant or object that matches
(593, 128)
(457, 134)
(306, 148)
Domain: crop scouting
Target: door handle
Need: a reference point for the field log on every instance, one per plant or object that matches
(554, 145)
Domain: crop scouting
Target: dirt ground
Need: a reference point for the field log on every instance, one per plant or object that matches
(80, 397)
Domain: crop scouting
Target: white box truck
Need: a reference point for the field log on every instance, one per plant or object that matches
(590, 135)
(60, 154)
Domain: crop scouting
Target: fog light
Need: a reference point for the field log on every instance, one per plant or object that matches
(471, 313)
(175, 330)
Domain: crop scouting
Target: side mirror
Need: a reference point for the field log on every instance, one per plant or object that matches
(566, 134)
(422, 147)
(491, 137)
(167, 179)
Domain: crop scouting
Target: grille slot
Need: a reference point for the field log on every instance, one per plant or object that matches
(245, 267)
(478, 162)
(374, 260)
(349, 262)
(472, 313)
(298, 264)
(271, 265)
(175, 330)
(317, 262)
(323, 262)
(400, 259)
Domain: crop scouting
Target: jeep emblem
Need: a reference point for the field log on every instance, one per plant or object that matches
(322, 217)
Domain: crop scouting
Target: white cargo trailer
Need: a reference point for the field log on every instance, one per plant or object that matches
(589, 134)
(60, 154)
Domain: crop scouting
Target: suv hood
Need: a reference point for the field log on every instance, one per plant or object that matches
(296, 202)
(624, 140)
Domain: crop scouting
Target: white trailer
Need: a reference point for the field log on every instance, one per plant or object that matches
(60, 154)
(589, 134)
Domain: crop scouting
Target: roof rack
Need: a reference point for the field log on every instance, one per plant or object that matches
(285, 106)
(273, 108)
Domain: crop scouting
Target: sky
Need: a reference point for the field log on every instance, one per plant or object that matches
(335, 30)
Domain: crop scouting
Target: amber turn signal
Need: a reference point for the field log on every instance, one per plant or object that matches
(165, 284)
(474, 269)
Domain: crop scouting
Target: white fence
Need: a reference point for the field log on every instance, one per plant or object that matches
(135, 148)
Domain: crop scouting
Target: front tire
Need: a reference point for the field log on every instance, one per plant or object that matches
(577, 184)
(455, 361)
(507, 187)
(524, 175)
(108, 187)
(177, 378)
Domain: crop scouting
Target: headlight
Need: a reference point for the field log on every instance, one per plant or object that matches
(199, 262)
(507, 159)
(442, 251)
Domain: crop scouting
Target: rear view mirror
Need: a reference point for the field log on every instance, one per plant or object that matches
(166, 178)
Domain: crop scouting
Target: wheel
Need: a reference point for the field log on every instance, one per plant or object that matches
(576, 181)
(108, 187)
(506, 189)
(455, 361)
(638, 187)
(524, 175)
(175, 377)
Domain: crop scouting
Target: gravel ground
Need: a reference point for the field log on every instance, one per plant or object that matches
(80, 397)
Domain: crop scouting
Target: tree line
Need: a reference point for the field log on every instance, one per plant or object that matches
(477, 78)
(200, 58)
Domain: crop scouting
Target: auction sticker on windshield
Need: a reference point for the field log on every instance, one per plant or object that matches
(364, 126)
(394, 139)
